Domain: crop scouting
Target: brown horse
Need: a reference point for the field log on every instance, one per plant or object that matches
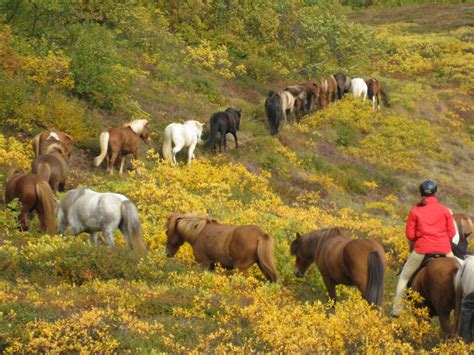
(53, 168)
(435, 283)
(34, 193)
(119, 142)
(329, 86)
(212, 242)
(342, 260)
(375, 92)
(43, 140)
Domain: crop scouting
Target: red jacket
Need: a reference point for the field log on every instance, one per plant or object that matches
(431, 227)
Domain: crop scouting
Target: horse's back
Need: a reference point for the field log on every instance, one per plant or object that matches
(356, 253)
(23, 188)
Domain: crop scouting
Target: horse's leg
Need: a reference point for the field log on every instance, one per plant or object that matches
(445, 323)
(191, 152)
(176, 149)
(109, 236)
(373, 102)
(225, 142)
(122, 163)
(221, 142)
(107, 159)
(94, 239)
(331, 287)
(112, 162)
(24, 217)
(378, 101)
(234, 133)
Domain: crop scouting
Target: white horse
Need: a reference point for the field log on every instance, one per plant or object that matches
(181, 135)
(88, 211)
(359, 88)
(287, 104)
(464, 312)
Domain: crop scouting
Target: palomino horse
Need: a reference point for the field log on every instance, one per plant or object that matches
(343, 84)
(52, 167)
(88, 211)
(181, 135)
(224, 122)
(329, 86)
(342, 260)
(34, 193)
(435, 283)
(42, 141)
(300, 97)
(464, 305)
(359, 88)
(375, 92)
(231, 246)
(119, 142)
(274, 111)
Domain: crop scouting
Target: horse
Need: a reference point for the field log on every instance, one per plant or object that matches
(274, 111)
(343, 84)
(88, 211)
(329, 86)
(359, 88)
(34, 193)
(464, 303)
(41, 142)
(315, 96)
(287, 105)
(300, 99)
(375, 92)
(435, 283)
(224, 122)
(119, 142)
(181, 135)
(464, 228)
(342, 260)
(52, 167)
(212, 242)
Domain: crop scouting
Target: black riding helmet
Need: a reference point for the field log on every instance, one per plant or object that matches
(428, 187)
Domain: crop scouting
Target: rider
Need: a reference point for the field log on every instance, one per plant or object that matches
(430, 227)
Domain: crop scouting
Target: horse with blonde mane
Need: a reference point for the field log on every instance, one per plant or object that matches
(42, 141)
(181, 135)
(231, 246)
(52, 166)
(34, 194)
(88, 211)
(342, 260)
(119, 142)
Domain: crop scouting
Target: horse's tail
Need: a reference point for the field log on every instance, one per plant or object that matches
(43, 170)
(384, 98)
(213, 134)
(374, 291)
(36, 144)
(131, 228)
(167, 145)
(104, 145)
(48, 205)
(265, 257)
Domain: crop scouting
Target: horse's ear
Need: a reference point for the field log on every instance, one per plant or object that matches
(240, 111)
(201, 124)
(271, 93)
(69, 137)
(298, 235)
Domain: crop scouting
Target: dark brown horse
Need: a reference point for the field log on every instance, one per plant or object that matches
(34, 193)
(52, 167)
(435, 283)
(119, 142)
(375, 92)
(329, 86)
(231, 246)
(224, 122)
(342, 260)
(43, 140)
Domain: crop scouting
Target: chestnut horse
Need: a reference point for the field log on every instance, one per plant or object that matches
(375, 92)
(34, 193)
(329, 86)
(212, 242)
(119, 142)
(43, 140)
(52, 167)
(342, 260)
(435, 283)
(343, 84)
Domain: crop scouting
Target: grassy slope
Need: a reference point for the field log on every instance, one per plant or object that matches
(317, 160)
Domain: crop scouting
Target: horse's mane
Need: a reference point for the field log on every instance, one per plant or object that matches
(312, 241)
(137, 125)
(189, 225)
(56, 145)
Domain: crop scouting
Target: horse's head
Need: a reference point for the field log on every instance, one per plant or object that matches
(145, 134)
(303, 260)
(174, 239)
(199, 128)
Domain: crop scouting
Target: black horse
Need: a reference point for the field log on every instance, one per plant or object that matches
(274, 110)
(224, 122)
(343, 84)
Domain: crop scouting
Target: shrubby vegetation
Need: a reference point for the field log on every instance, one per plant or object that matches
(87, 65)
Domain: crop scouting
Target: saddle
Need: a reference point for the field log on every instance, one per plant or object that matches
(426, 260)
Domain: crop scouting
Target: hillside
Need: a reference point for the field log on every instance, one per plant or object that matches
(82, 68)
